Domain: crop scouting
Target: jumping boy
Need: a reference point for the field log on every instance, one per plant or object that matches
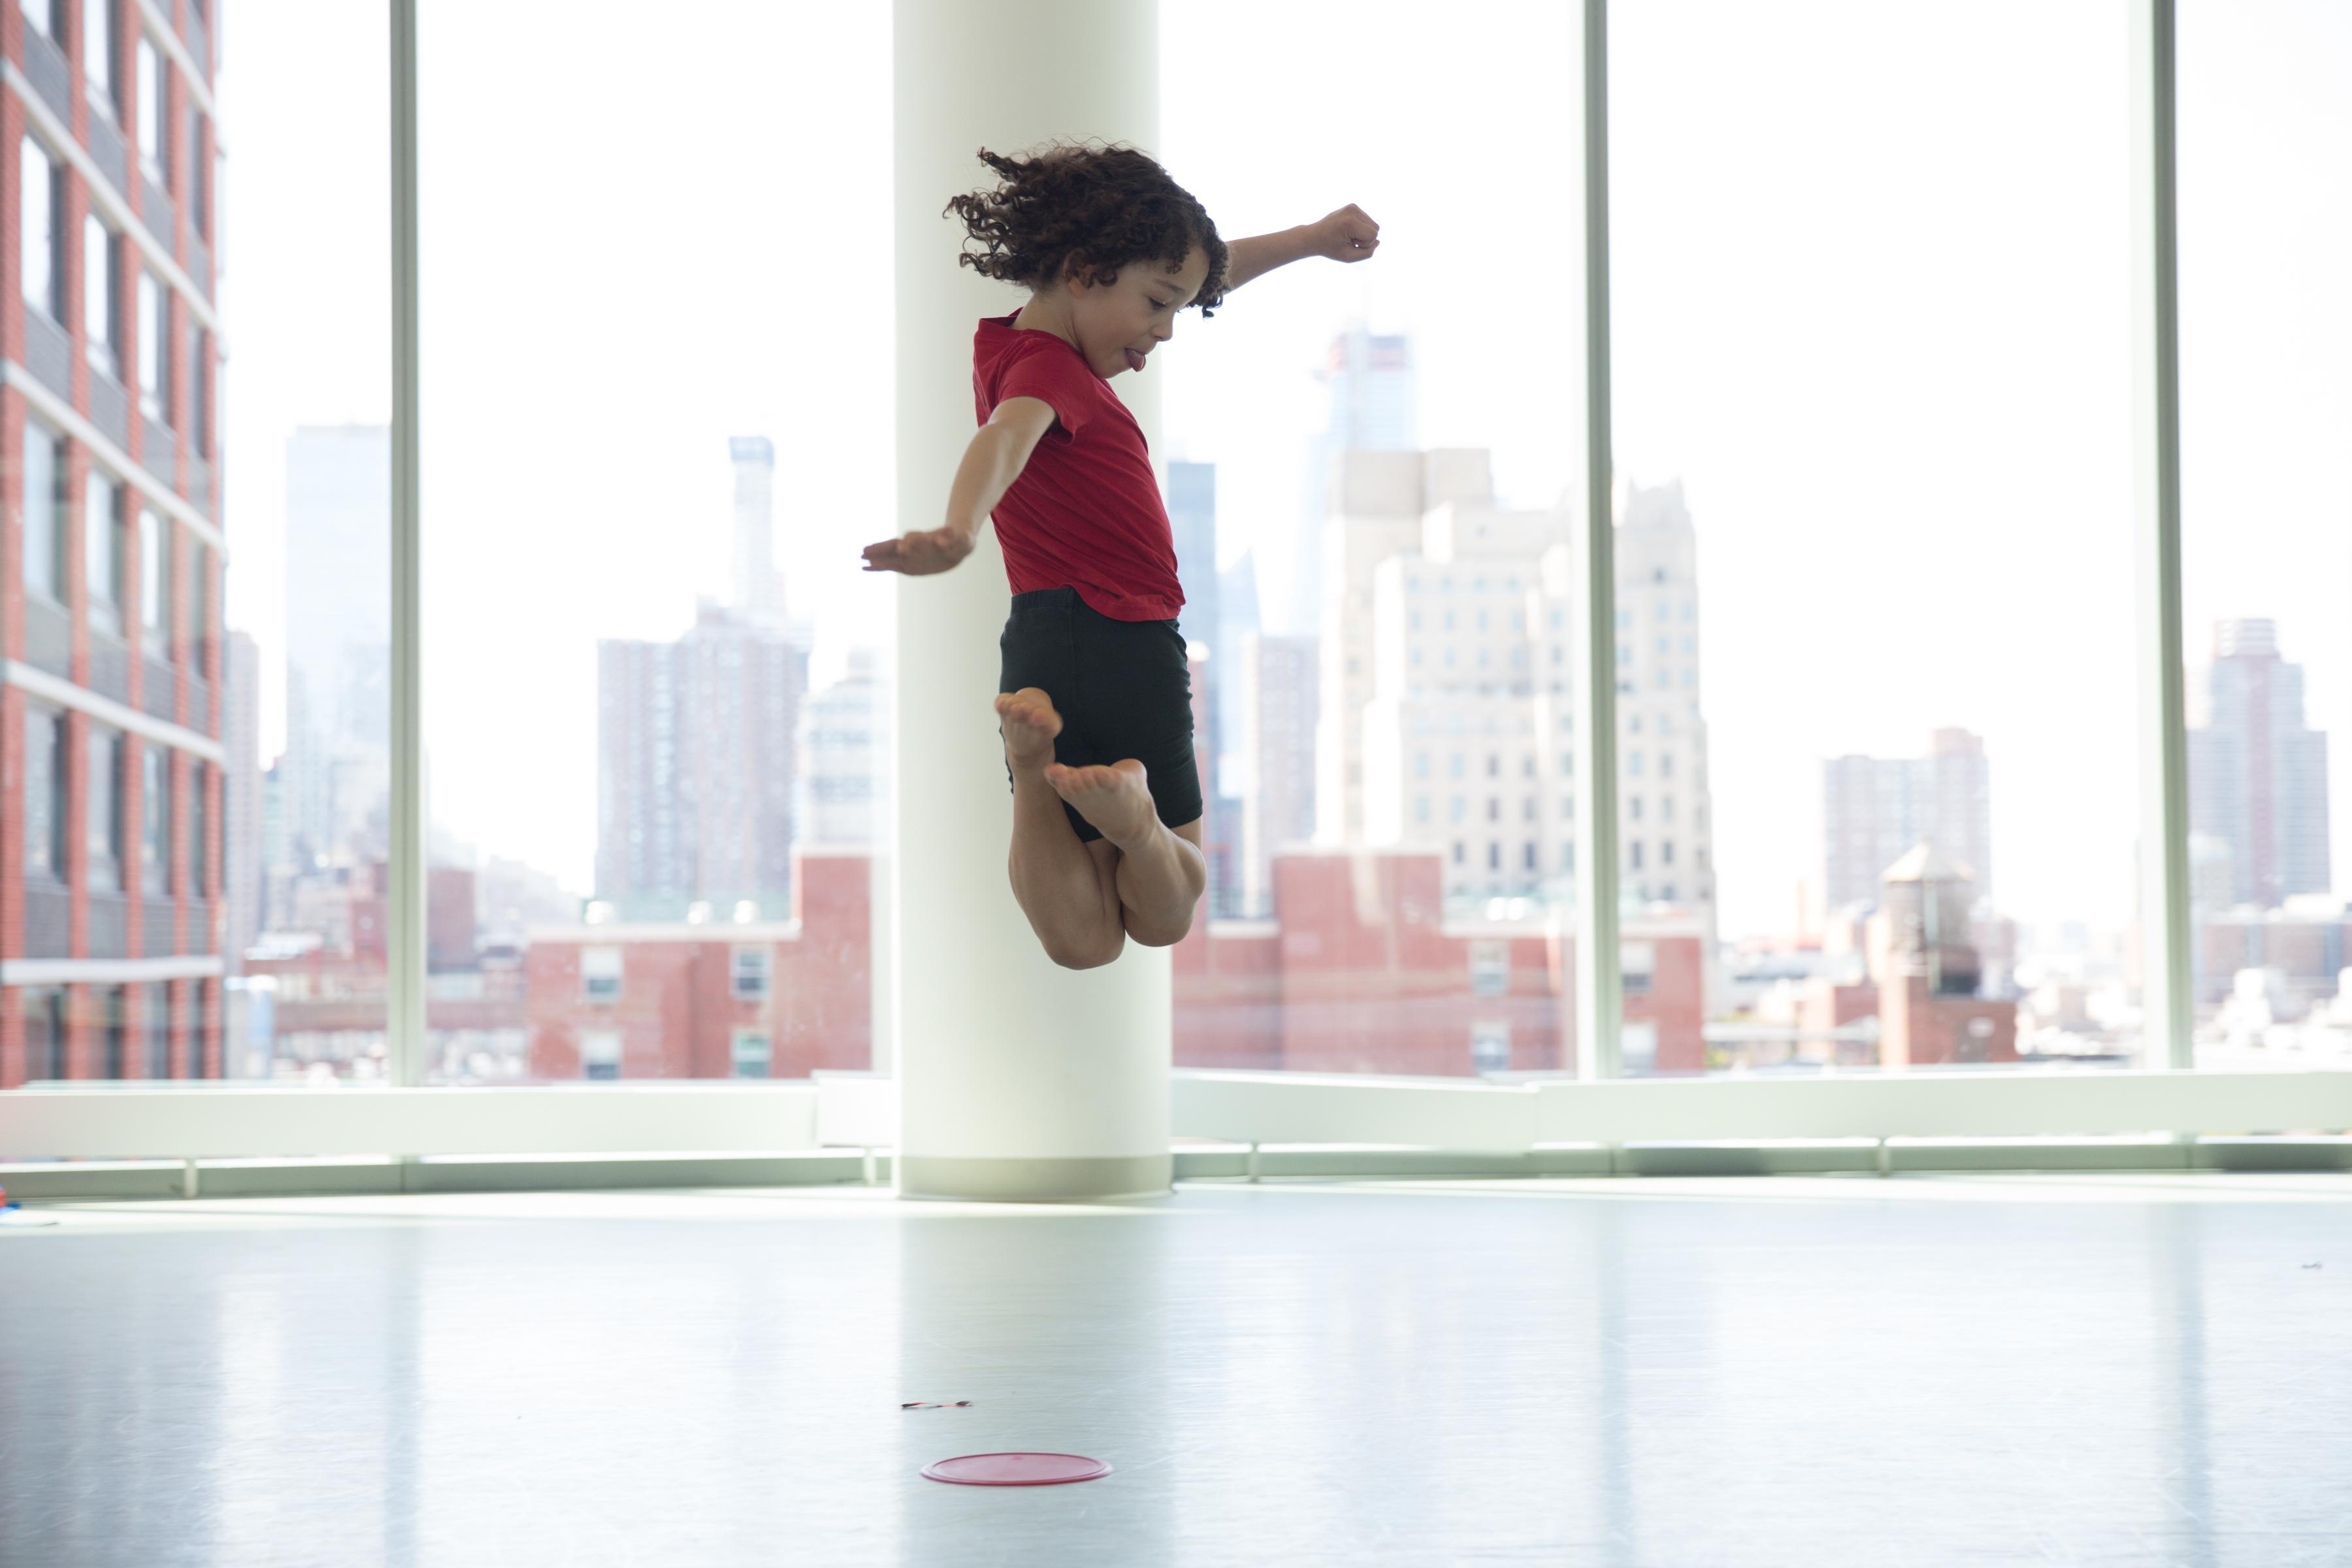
(1094, 702)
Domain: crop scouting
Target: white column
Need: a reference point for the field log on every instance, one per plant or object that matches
(1599, 980)
(1017, 1078)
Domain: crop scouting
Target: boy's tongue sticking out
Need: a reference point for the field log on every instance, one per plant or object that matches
(1134, 360)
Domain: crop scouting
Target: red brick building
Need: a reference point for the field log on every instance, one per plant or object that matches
(111, 548)
(1359, 974)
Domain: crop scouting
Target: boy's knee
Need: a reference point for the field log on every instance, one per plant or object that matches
(1090, 954)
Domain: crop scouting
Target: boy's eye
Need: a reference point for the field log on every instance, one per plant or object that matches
(1160, 304)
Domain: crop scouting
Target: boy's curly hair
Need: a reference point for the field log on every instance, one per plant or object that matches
(1093, 210)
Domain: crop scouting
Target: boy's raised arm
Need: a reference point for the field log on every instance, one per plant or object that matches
(1346, 235)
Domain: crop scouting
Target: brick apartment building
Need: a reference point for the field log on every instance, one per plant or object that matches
(110, 547)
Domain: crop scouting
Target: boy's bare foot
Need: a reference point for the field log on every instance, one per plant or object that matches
(1116, 799)
(1029, 725)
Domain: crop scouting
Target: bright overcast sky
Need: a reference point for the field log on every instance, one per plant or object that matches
(1871, 274)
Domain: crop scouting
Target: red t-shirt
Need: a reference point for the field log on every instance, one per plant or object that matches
(1086, 512)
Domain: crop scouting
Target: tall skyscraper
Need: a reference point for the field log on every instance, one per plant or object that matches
(1237, 616)
(1468, 739)
(112, 713)
(1373, 408)
(844, 748)
(1193, 524)
(1377, 512)
(2257, 774)
(758, 589)
(1278, 693)
(1874, 810)
(1665, 827)
(695, 768)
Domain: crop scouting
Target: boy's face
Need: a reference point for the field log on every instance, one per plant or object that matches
(1120, 322)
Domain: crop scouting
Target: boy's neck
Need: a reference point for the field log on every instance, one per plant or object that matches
(1040, 315)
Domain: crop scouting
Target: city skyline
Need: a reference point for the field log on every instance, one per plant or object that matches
(1249, 372)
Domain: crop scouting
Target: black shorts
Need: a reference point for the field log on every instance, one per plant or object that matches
(1124, 689)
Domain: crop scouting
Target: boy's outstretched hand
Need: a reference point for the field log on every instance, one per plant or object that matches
(919, 552)
(1348, 235)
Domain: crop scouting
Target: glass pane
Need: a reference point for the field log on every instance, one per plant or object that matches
(100, 280)
(1364, 470)
(2266, 157)
(44, 475)
(37, 232)
(1869, 277)
(656, 673)
(298, 827)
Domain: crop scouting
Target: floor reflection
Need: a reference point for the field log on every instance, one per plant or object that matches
(1632, 1372)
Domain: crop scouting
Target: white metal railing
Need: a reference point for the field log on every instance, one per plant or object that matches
(859, 1110)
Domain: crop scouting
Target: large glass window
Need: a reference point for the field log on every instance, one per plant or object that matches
(100, 294)
(200, 616)
(41, 233)
(98, 61)
(200, 864)
(106, 1002)
(154, 346)
(102, 845)
(154, 578)
(45, 794)
(292, 636)
(44, 513)
(155, 811)
(702, 755)
(101, 526)
(41, 15)
(1312, 427)
(2265, 156)
(151, 110)
(44, 1010)
(1891, 818)
(200, 403)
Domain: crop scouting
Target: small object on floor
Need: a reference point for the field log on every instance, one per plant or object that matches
(2315, 1266)
(934, 1404)
(1016, 1469)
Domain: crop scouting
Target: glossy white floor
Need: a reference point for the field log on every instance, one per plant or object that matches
(1987, 1370)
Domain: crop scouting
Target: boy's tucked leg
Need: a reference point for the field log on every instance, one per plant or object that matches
(1064, 885)
(1161, 871)
(1157, 892)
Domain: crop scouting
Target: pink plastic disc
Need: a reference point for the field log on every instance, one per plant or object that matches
(1016, 1469)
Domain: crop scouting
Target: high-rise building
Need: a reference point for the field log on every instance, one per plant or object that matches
(1376, 512)
(2257, 774)
(758, 596)
(1278, 691)
(1372, 408)
(1876, 809)
(696, 767)
(1192, 525)
(1666, 810)
(844, 748)
(1237, 616)
(1468, 740)
(111, 715)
